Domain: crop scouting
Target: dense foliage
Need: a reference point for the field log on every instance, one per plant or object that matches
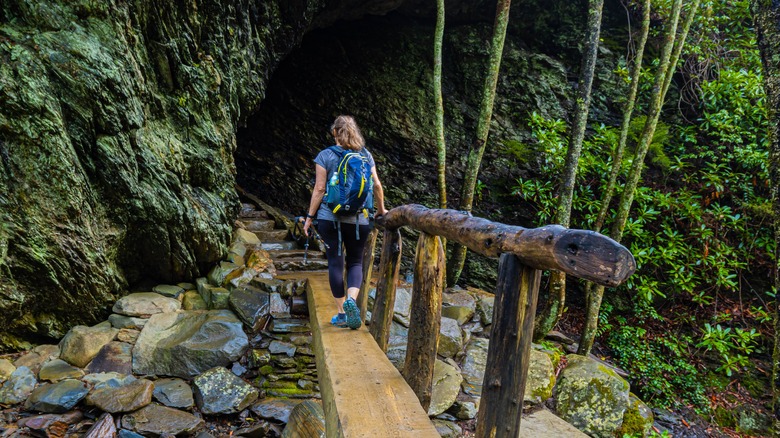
(700, 226)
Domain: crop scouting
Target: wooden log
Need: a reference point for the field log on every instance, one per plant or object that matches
(501, 405)
(580, 253)
(368, 270)
(425, 317)
(384, 302)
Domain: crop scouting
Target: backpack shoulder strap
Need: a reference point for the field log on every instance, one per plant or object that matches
(337, 150)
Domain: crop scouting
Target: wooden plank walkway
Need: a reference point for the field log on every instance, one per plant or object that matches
(363, 395)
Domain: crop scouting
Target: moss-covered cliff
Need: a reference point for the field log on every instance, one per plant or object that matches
(119, 126)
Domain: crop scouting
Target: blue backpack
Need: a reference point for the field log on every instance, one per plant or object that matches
(350, 189)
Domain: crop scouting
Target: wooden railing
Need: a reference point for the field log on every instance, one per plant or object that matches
(523, 253)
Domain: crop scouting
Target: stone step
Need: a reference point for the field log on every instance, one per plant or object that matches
(278, 245)
(255, 225)
(254, 214)
(272, 235)
(296, 253)
(296, 264)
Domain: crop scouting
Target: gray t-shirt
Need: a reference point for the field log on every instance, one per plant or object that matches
(330, 161)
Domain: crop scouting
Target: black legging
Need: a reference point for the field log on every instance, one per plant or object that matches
(353, 248)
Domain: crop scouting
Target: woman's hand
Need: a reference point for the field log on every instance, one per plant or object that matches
(306, 226)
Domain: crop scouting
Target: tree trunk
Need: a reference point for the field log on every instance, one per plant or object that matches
(670, 54)
(425, 317)
(455, 266)
(441, 145)
(766, 14)
(557, 293)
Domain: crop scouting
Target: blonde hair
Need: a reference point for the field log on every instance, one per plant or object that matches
(347, 133)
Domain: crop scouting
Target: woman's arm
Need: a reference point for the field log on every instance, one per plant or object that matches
(379, 194)
(316, 196)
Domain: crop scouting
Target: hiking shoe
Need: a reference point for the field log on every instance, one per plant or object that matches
(353, 314)
(339, 320)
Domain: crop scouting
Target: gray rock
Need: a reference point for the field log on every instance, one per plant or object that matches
(83, 343)
(473, 366)
(459, 305)
(290, 325)
(450, 338)
(463, 410)
(248, 238)
(259, 358)
(175, 393)
(446, 386)
(193, 301)
(6, 369)
(18, 387)
(186, 286)
(269, 285)
(112, 379)
(186, 344)
(279, 307)
(591, 397)
(168, 290)
(124, 433)
(159, 420)
(219, 298)
(57, 369)
(127, 322)
(145, 304)
(57, 398)
(276, 409)
(447, 429)
(36, 357)
(403, 306)
(218, 273)
(301, 340)
(240, 277)
(543, 423)
(218, 391)
(279, 347)
(125, 398)
(238, 369)
(128, 335)
(485, 307)
(238, 248)
(396, 350)
(114, 356)
(541, 378)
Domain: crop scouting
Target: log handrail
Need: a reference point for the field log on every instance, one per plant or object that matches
(579, 253)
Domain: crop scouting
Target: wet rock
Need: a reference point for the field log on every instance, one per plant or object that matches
(83, 343)
(18, 387)
(125, 398)
(240, 277)
(127, 322)
(450, 338)
(269, 285)
(193, 301)
(104, 427)
(50, 425)
(188, 343)
(591, 397)
(36, 357)
(251, 305)
(128, 335)
(403, 306)
(446, 386)
(112, 379)
(261, 430)
(301, 340)
(6, 368)
(175, 393)
(124, 433)
(145, 304)
(307, 419)
(158, 420)
(290, 325)
(447, 429)
(279, 347)
(57, 369)
(219, 272)
(57, 398)
(473, 366)
(459, 305)
(114, 356)
(279, 307)
(238, 369)
(259, 358)
(168, 290)
(218, 391)
(219, 298)
(276, 409)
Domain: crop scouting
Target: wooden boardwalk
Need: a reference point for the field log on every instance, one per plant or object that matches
(363, 394)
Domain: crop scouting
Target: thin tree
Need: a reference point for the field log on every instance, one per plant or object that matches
(455, 265)
(441, 146)
(670, 54)
(766, 15)
(557, 292)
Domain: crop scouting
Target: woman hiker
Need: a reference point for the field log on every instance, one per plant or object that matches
(336, 230)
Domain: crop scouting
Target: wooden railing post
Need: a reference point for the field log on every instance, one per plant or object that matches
(384, 302)
(425, 317)
(368, 269)
(501, 406)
